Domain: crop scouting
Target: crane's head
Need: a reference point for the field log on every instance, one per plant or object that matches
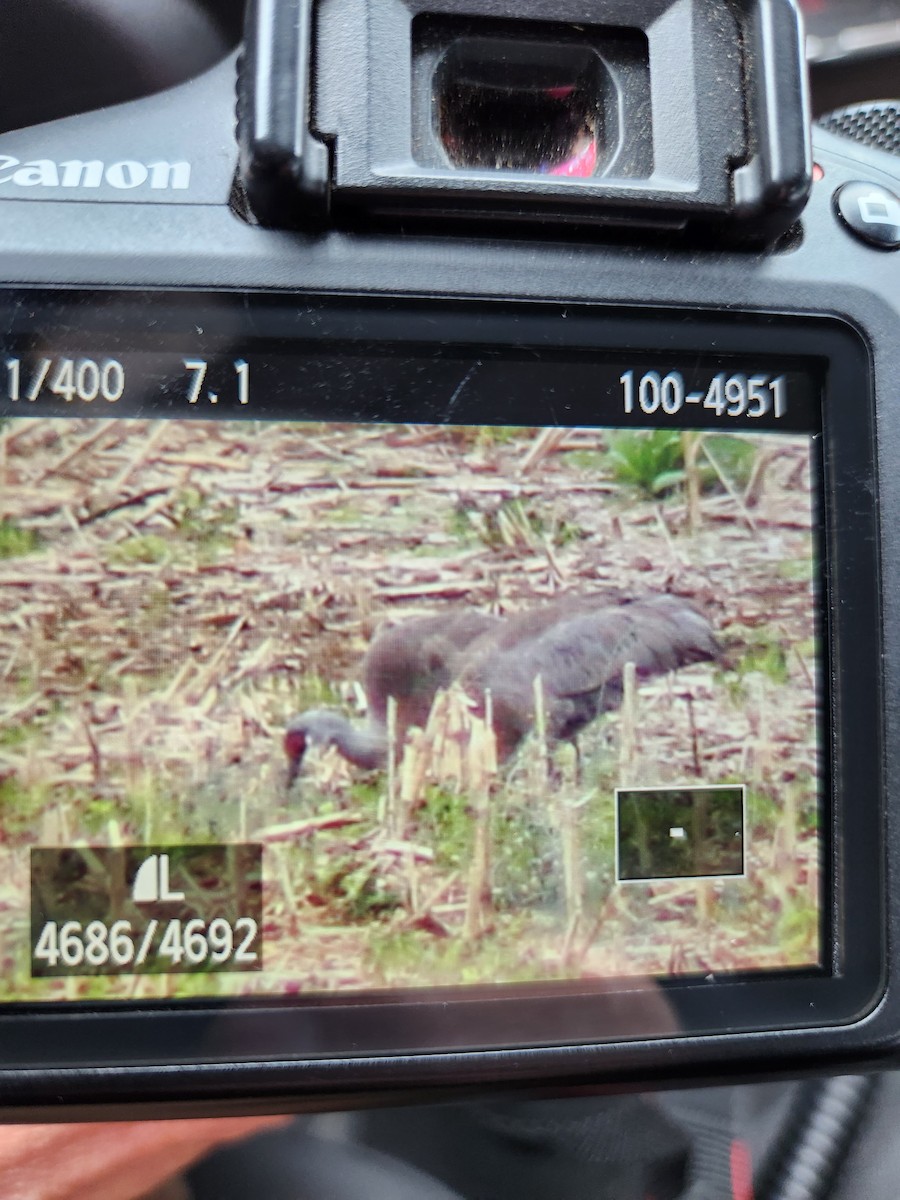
(317, 727)
(365, 747)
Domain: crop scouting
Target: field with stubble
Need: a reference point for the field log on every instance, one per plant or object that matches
(171, 592)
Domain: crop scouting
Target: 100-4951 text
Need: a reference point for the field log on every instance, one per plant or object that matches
(727, 395)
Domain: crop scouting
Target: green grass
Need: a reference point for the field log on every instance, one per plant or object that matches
(651, 461)
(157, 610)
(798, 925)
(147, 549)
(203, 528)
(409, 956)
(512, 524)
(485, 437)
(346, 513)
(17, 541)
(446, 824)
(795, 570)
(432, 550)
(205, 523)
(587, 460)
(14, 736)
(314, 691)
(366, 796)
(350, 885)
(735, 456)
(766, 656)
(21, 806)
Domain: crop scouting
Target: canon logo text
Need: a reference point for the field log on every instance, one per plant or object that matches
(124, 175)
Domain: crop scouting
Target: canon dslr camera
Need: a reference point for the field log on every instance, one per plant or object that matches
(450, 564)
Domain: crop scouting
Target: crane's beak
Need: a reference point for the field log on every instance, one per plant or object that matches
(294, 748)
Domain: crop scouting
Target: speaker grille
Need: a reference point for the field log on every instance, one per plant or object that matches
(876, 125)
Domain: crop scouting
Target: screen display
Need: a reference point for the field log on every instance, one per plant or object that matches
(365, 668)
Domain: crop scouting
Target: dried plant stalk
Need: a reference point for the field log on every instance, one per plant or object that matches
(413, 770)
(690, 448)
(478, 891)
(385, 805)
(790, 820)
(288, 891)
(573, 868)
(542, 763)
(705, 897)
(478, 887)
(628, 723)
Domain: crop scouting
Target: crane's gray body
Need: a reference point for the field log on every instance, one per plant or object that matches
(576, 647)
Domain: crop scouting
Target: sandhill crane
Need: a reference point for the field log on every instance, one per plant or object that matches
(410, 662)
(578, 645)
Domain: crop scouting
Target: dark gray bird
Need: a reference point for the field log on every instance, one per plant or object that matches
(578, 645)
(410, 662)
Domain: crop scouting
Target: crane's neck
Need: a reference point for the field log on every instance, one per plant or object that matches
(364, 745)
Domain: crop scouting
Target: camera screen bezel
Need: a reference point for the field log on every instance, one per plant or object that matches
(379, 1034)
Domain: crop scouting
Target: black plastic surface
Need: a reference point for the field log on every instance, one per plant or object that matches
(870, 212)
(177, 147)
(284, 169)
(875, 125)
(176, 243)
(591, 1015)
(61, 58)
(726, 113)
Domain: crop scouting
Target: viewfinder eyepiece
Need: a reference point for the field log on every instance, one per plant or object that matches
(672, 115)
(521, 105)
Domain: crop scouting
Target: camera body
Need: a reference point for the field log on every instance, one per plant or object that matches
(610, 300)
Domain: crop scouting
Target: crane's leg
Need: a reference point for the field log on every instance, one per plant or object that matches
(579, 763)
(558, 772)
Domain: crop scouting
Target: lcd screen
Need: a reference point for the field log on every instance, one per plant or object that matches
(338, 673)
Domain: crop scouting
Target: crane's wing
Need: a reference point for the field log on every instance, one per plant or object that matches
(579, 647)
(587, 652)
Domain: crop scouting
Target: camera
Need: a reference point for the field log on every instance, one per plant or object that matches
(449, 565)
